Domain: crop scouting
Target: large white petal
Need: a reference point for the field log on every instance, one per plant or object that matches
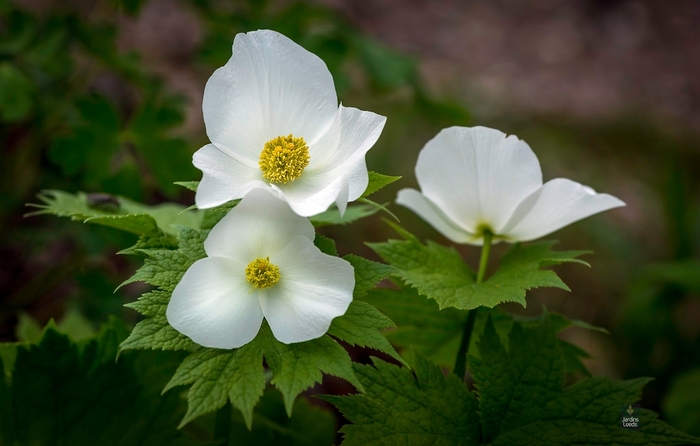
(270, 87)
(558, 203)
(309, 196)
(477, 176)
(314, 288)
(337, 172)
(427, 210)
(213, 304)
(259, 225)
(224, 178)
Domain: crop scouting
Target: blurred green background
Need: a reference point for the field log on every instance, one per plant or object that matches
(105, 96)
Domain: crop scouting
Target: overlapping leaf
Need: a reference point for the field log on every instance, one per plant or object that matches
(118, 212)
(63, 393)
(520, 400)
(238, 375)
(308, 425)
(440, 273)
(400, 408)
(217, 375)
(435, 333)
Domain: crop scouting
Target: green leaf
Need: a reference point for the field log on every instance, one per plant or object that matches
(379, 207)
(6, 415)
(352, 214)
(16, 93)
(521, 398)
(308, 425)
(73, 323)
(440, 273)
(682, 403)
(685, 274)
(163, 268)
(296, 367)
(64, 394)
(388, 69)
(8, 355)
(326, 245)
(214, 374)
(361, 325)
(150, 132)
(217, 375)
(154, 333)
(400, 408)
(190, 185)
(378, 181)
(93, 141)
(436, 333)
(28, 329)
(504, 322)
(367, 273)
(117, 212)
(421, 325)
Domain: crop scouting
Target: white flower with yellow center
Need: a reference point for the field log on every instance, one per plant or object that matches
(274, 122)
(475, 180)
(262, 263)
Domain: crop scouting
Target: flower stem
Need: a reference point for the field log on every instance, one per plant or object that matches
(222, 426)
(485, 250)
(461, 361)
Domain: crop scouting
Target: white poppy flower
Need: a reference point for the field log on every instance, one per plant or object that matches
(273, 119)
(262, 263)
(476, 179)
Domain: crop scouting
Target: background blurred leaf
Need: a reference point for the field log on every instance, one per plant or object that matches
(16, 93)
(682, 404)
(66, 394)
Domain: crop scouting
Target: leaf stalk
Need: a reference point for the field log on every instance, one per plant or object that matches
(460, 368)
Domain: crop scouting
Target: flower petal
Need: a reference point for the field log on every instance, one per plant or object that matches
(270, 87)
(337, 164)
(213, 304)
(309, 197)
(558, 203)
(477, 176)
(427, 210)
(259, 225)
(314, 288)
(224, 178)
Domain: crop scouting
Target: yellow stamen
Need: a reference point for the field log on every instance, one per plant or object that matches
(284, 158)
(262, 274)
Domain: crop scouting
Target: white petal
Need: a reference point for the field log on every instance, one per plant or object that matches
(270, 87)
(427, 210)
(213, 304)
(344, 146)
(307, 196)
(558, 203)
(337, 172)
(224, 178)
(477, 176)
(314, 288)
(259, 225)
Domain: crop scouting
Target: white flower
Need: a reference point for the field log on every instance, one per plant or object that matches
(273, 118)
(261, 263)
(477, 179)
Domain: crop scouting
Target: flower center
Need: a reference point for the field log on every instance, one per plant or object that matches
(262, 274)
(284, 158)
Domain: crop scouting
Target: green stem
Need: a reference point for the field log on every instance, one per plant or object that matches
(461, 361)
(222, 426)
(485, 250)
